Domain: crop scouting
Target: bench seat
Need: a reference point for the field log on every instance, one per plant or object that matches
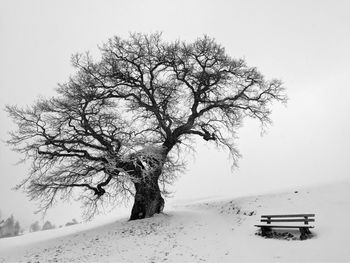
(279, 226)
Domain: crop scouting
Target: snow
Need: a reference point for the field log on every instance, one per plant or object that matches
(212, 230)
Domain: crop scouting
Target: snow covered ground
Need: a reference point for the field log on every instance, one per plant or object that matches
(202, 231)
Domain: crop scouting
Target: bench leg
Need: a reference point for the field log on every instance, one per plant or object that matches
(304, 233)
(265, 231)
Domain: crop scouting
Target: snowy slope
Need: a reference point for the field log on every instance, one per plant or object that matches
(205, 231)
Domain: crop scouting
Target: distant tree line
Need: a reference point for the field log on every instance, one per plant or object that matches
(10, 227)
(48, 225)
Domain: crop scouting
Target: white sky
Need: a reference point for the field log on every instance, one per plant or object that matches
(304, 43)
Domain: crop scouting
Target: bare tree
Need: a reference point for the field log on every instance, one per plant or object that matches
(118, 126)
(2, 221)
(10, 227)
(17, 229)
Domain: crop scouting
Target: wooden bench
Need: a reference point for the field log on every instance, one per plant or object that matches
(303, 228)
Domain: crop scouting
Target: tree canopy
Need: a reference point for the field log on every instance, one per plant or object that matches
(117, 127)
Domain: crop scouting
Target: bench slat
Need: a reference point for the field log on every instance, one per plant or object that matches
(287, 220)
(295, 215)
(276, 226)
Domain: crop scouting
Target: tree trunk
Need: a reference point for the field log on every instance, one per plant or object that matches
(148, 199)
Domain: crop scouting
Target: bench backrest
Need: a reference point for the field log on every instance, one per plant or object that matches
(306, 218)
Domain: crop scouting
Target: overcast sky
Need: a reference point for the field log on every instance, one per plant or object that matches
(306, 44)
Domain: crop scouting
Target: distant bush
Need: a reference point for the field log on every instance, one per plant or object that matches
(34, 227)
(73, 222)
(48, 225)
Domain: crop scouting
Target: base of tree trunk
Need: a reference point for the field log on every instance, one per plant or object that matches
(148, 200)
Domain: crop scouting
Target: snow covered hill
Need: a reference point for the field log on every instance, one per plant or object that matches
(202, 231)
